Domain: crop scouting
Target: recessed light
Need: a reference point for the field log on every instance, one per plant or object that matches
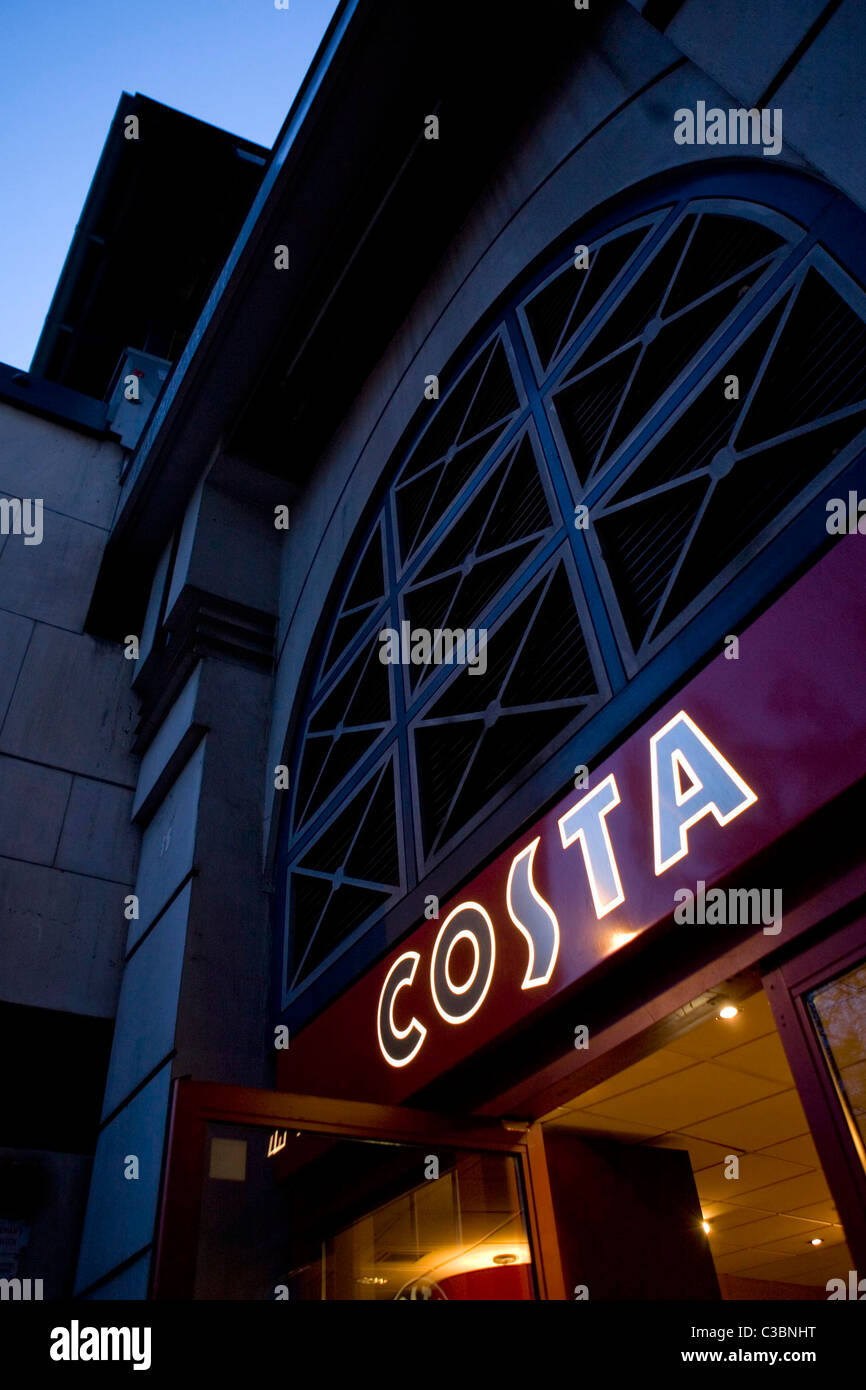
(816, 1240)
(729, 1011)
(505, 1259)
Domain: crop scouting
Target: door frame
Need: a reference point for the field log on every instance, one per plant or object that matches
(843, 1156)
(195, 1104)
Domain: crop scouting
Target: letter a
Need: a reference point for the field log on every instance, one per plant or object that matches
(60, 1341)
(838, 518)
(716, 788)
(389, 652)
(684, 132)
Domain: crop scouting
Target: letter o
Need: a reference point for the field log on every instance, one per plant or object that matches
(458, 1002)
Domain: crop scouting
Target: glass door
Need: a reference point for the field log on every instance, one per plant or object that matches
(272, 1196)
(819, 1002)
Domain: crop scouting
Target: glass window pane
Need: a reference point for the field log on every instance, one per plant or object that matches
(838, 1012)
(290, 1214)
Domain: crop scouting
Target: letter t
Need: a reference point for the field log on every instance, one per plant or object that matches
(587, 822)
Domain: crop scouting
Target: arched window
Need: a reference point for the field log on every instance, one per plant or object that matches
(694, 388)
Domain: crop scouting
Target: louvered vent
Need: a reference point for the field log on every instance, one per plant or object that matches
(503, 525)
(351, 870)
(727, 469)
(464, 430)
(488, 727)
(363, 596)
(602, 392)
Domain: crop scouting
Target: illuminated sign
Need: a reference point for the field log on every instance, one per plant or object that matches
(598, 872)
(277, 1142)
(690, 779)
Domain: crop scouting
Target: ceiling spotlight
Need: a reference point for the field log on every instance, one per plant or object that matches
(816, 1240)
(729, 1011)
(505, 1259)
(706, 1226)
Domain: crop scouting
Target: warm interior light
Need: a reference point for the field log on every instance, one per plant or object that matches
(729, 1011)
(505, 1259)
(706, 1226)
(816, 1240)
(621, 938)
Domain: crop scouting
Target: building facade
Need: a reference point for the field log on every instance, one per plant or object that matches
(467, 653)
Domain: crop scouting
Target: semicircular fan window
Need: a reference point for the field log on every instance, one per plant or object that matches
(689, 391)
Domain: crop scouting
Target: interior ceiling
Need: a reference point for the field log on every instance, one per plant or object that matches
(724, 1088)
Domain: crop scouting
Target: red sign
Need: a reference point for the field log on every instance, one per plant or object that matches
(744, 752)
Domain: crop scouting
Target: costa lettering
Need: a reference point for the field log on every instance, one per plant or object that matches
(690, 779)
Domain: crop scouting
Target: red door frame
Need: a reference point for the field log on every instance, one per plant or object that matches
(196, 1103)
(842, 1154)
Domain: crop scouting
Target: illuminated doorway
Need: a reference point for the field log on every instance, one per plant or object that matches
(724, 1094)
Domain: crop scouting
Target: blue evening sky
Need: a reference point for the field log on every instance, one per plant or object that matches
(235, 63)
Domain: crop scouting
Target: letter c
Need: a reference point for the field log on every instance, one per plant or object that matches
(398, 1045)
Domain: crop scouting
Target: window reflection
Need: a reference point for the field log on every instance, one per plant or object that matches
(838, 1012)
(292, 1215)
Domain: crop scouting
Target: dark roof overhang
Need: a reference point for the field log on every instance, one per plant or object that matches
(366, 206)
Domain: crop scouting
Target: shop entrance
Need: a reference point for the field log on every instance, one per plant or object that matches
(723, 1096)
(274, 1196)
(725, 1160)
(747, 1127)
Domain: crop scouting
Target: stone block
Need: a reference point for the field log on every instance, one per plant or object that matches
(97, 836)
(740, 44)
(32, 805)
(72, 472)
(72, 706)
(121, 1211)
(147, 1008)
(61, 939)
(168, 845)
(53, 581)
(14, 635)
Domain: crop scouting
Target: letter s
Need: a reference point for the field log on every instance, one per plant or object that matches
(533, 917)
